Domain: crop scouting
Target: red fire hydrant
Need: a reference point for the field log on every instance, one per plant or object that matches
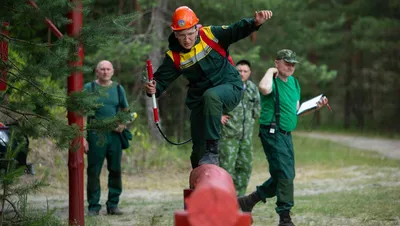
(211, 200)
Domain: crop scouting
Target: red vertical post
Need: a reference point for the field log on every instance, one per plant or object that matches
(4, 57)
(75, 155)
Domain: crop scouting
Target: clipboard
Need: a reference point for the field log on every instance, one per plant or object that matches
(309, 104)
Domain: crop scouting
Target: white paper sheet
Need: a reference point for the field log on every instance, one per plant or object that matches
(309, 104)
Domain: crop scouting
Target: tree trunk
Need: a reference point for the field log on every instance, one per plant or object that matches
(121, 7)
(348, 73)
(313, 58)
(347, 96)
(360, 94)
(157, 29)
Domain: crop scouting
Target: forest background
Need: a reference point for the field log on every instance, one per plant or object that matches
(349, 50)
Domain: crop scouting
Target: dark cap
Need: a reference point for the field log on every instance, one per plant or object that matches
(286, 55)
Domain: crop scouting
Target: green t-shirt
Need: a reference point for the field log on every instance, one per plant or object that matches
(289, 95)
(110, 102)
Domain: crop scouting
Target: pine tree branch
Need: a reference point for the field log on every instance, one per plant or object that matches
(144, 35)
(25, 114)
(37, 87)
(11, 62)
(141, 15)
(8, 84)
(14, 207)
(6, 113)
(22, 41)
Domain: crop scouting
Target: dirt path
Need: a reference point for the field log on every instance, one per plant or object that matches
(386, 147)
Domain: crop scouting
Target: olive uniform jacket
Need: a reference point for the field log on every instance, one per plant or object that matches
(203, 66)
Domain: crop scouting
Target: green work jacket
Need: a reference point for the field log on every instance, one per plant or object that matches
(203, 66)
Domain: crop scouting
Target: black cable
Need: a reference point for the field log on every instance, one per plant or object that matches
(277, 105)
(171, 142)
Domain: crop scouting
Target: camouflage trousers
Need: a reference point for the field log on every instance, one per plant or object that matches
(236, 157)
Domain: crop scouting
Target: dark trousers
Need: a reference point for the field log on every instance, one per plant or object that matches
(110, 150)
(278, 148)
(205, 118)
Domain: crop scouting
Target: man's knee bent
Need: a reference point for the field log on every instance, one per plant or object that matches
(211, 97)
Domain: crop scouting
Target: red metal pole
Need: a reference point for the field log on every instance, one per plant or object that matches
(4, 57)
(75, 156)
(49, 23)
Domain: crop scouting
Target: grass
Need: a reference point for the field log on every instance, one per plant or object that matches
(328, 154)
(386, 198)
(328, 125)
(334, 185)
(337, 185)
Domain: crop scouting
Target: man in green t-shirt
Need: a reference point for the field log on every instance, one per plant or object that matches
(278, 118)
(111, 149)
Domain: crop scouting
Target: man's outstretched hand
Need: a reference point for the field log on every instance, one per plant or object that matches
(261, 16)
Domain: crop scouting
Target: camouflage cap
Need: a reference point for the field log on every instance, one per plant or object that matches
(286, 55)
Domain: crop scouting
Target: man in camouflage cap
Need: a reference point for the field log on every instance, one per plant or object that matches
(236, 144)
(280, 100)
(287, 55)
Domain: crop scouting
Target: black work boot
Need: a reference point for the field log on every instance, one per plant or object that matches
(29, 169)
(285, 220)
(211, 156)
(248, 202)
(114, 211)
(93, 213)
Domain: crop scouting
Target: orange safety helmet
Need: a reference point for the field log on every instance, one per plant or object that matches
(183, 18)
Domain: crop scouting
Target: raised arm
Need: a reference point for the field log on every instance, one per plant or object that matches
(227, 35)
(265, 85)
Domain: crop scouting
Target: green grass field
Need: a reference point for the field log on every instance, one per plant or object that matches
(334, 185)
(337, 185)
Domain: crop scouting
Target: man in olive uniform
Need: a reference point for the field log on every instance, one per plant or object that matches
(280, 101)
(214, 84)
(236, 152)
(111, 149)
